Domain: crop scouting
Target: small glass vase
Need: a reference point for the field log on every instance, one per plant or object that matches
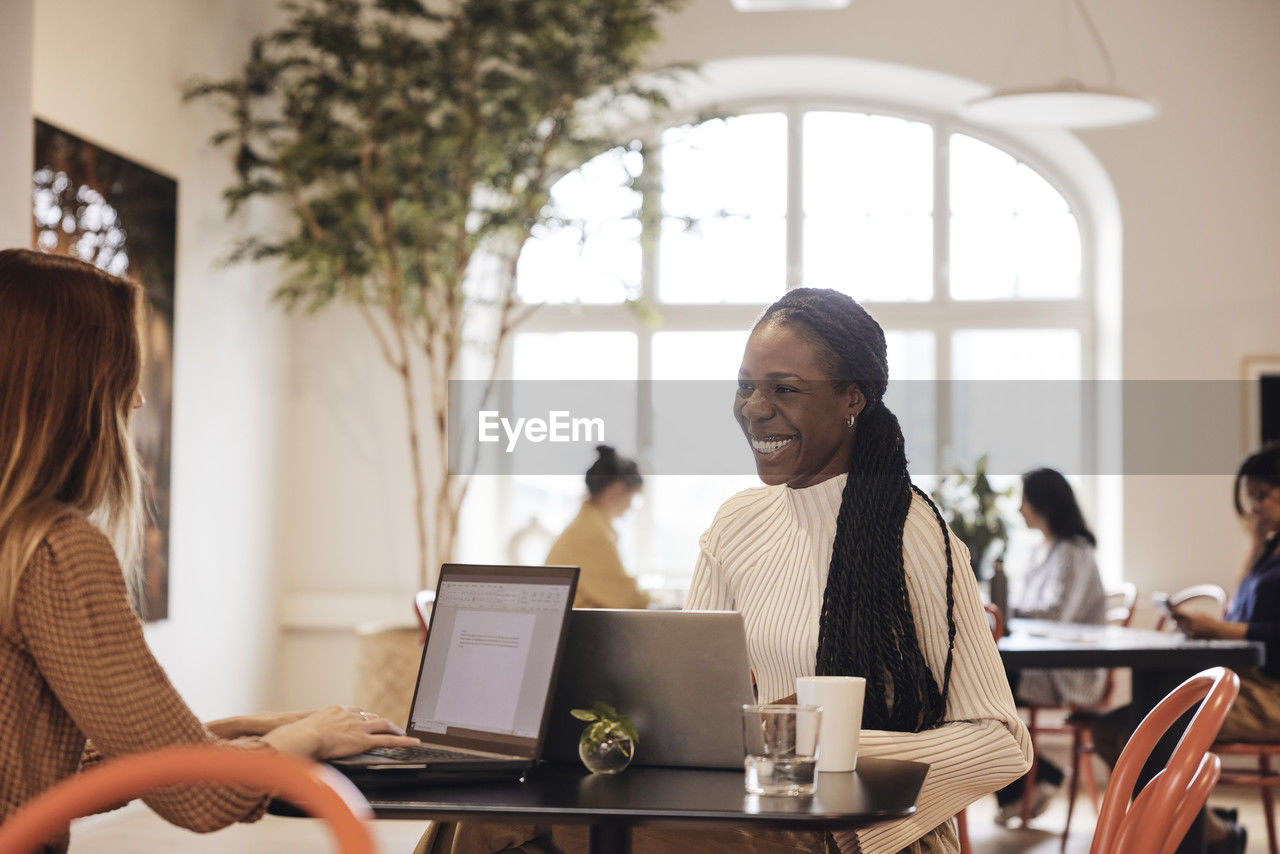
(608, 756)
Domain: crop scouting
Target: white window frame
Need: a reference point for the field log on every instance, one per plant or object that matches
(1090, 200)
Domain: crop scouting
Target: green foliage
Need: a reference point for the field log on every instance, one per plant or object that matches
(604, 721)
(974, 510)
(404, 135)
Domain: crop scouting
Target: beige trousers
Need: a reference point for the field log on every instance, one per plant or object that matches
(482, 838)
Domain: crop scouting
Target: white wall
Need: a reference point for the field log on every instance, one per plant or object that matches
(15, 123)
(112, 73)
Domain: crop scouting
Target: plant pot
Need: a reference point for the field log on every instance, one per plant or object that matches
(610, 755)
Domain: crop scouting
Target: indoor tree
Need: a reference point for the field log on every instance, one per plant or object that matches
(409, 139)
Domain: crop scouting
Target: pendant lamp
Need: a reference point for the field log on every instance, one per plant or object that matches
(787, 5)
(1069, 103)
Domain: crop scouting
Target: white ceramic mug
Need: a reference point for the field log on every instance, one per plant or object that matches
(841, 700)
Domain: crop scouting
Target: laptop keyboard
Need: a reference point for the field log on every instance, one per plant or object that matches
(419, 754)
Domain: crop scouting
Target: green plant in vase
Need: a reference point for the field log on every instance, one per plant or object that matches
(975, 512)
(608, 742)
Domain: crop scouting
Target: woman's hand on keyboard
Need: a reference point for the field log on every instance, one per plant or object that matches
(337, 731)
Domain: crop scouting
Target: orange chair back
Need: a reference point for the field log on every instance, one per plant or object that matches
(995, 617)
(1159, 817)
(317, 789)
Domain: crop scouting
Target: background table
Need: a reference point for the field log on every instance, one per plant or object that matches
(879, 790)
(1159, 662)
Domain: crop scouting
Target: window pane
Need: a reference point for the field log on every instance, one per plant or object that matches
(1012, 234)
(552, 500)
(1015, 354)
(699, 355)
(692, 398)
(1016, 396)
(680, 507)
(912, 394)
(868, 203)
(724, 203)
(691, 402)
(570, 357)
(574, 356)
(590, 253)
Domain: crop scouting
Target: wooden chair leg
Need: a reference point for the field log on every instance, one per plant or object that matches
(1029, 782)
(1268, 802)
(962, 830)
(1091, 780)
(1077, 737)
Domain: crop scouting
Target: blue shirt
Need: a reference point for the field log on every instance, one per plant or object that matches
(1257, 603)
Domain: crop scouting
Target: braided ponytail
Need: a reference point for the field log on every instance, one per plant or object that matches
(867, 627)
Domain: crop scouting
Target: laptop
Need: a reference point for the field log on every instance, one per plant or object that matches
(682, 678)
(492, 654)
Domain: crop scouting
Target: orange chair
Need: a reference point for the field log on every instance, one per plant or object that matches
(1158, 818)
(1122, 601)
(1265, 777)
(315, 788)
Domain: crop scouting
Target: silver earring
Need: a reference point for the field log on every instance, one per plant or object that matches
(851, 420)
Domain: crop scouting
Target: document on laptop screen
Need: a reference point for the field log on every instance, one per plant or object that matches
(493, 673)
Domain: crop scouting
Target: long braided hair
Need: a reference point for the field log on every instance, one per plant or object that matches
(867, 628)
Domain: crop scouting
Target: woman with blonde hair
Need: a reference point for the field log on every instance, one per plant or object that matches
(80, 682)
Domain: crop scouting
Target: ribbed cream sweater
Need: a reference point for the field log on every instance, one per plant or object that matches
(767, 554)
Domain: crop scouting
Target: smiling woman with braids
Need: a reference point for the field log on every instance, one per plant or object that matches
(840, 566)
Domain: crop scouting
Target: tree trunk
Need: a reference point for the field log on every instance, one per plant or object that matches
(415, 462)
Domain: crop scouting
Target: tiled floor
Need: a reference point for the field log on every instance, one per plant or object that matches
(138, 831)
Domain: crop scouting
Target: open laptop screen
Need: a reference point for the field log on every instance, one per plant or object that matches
(491, 657)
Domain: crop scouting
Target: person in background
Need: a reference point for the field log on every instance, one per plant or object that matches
(590, 542)
(80, 682)
(1064, 586)
(1254, 615)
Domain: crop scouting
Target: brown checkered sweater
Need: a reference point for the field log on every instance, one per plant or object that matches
(74, 665)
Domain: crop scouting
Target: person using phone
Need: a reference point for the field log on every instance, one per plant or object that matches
(1254, 614)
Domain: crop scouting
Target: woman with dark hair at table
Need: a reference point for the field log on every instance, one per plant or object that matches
(1254, 615)
(80, 682)
(1063, 586)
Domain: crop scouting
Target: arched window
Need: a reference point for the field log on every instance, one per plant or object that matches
(972, 254)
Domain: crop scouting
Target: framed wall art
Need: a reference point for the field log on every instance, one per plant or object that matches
(1261, 390)
(104, 208)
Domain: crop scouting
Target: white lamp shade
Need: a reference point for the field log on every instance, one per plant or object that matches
(787, 5)
(1067, 105)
